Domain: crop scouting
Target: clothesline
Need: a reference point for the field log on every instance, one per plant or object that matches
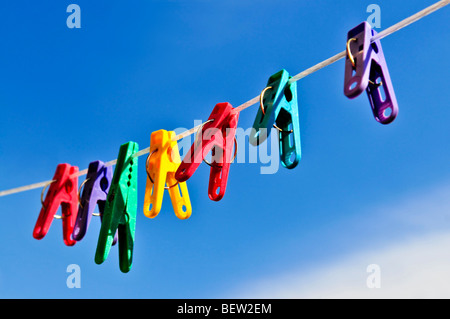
(396, 27)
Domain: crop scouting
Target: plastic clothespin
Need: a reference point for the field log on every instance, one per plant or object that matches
(120, 209)
(366, 69)
(279, 109)
(96, 186)
(162, 163)
(62, 192)
(217, 135)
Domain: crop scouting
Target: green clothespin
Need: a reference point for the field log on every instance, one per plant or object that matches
(120, 209)
(279, 109)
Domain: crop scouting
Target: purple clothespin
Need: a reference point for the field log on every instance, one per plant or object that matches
(366, 69)
(96, 186)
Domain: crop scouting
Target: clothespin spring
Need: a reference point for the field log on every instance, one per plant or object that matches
(148, 174)
(352, 60)
(261, 104)
(79, 193)
(42, 199)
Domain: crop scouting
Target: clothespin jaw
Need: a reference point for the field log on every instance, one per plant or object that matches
(366, 69)
(216, 135)
(120, 209)
(96, 186)
(162, 163)
(279, 109)
(62, 192)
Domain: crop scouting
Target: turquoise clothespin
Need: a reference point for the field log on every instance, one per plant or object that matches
(279, 109)
(120, 209)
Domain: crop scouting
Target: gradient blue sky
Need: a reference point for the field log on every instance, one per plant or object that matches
(75, 95)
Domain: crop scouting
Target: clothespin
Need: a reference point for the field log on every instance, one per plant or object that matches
(366, 69)
(279, 109)
(62, 192)
(96, 186)
(162, 163)
(216, 135)
(120, 209)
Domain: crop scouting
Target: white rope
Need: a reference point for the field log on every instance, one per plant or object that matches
(415, 17)
(25, 188)
(400, 25)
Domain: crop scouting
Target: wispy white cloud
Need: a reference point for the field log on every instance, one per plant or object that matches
(415, 266)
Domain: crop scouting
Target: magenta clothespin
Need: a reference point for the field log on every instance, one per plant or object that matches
(96, 186)
(366, 69)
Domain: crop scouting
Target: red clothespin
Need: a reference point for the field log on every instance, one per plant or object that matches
(217, 135)
(63, 192)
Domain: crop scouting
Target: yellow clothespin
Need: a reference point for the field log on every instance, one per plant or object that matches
(162, 163)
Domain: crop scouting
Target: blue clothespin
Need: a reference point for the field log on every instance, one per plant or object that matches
(279, 109)
(96, 186)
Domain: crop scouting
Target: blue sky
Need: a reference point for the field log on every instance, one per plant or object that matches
(75, 95)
